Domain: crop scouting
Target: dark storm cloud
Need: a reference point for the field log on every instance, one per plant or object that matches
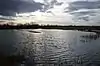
(11, 7)
(59, 3)
(48, 5)
(83, 10)
(88, 12)
(6, 18)
(55, 2)
(81, 18)
(83, 15)
(84, 5)
(85, 18)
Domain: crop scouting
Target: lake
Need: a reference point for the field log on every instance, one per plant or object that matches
(51, 47)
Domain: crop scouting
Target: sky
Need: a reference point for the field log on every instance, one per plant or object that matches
(64, 12)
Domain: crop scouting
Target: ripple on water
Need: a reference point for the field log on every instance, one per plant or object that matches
(61, 46)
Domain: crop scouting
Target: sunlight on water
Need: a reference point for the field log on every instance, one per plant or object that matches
(52, 47)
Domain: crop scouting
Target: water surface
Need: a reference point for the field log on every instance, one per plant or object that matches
(52, 47)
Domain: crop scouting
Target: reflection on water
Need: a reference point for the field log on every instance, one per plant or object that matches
(51, 47)
(92, 36)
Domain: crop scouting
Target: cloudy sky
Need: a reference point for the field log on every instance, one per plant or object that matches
(78, 12)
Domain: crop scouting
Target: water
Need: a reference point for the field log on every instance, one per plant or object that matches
(51, 47)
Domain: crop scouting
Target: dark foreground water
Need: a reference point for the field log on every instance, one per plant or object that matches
(49, 48)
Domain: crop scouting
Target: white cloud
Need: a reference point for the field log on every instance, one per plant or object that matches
(56, 15)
